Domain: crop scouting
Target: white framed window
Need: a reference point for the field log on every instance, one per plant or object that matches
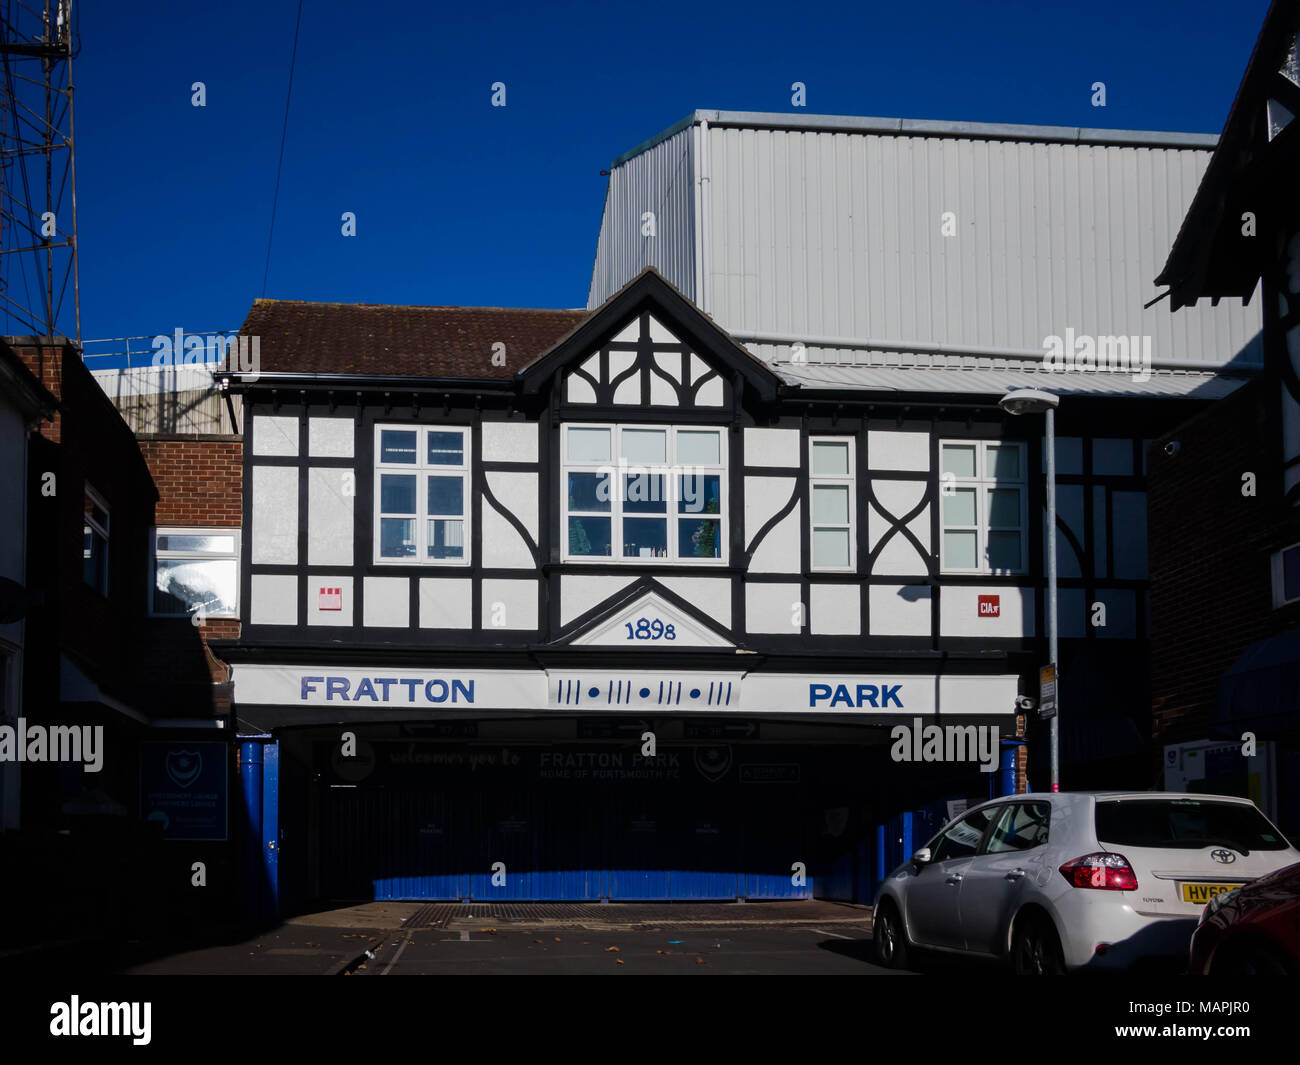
(831, 503)
(94, 541)
(644, 493)
(984, 508)
(195, 571)
(422, 493)
(1286, 576)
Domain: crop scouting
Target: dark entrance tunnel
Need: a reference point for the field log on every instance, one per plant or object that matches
(585, 821)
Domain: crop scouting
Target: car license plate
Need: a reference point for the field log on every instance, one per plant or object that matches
(1202, 893)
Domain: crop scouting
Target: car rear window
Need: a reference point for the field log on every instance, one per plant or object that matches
(1185, 823)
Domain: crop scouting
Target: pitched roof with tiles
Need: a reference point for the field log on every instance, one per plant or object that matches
(379, 340)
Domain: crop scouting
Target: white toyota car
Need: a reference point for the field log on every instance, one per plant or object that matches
(1057, 882)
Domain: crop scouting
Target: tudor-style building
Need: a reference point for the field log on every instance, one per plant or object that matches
(486, 552)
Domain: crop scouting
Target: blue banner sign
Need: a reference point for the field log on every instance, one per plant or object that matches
(183, 784)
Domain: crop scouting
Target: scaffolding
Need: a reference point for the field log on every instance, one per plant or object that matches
(38, 174)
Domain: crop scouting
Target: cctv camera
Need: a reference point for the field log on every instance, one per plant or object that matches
(1172, 448)
(1025, 702)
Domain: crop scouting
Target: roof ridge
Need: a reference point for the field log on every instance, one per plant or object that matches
(927, 127)
(422, 306)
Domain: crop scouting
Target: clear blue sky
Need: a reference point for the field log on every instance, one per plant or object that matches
(458, 202)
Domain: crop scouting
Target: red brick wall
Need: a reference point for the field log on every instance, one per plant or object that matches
(200, 482)
(199, 479)
(1210, 550)
(46, 364)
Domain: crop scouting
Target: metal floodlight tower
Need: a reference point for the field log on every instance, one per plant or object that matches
(1032, 401)
(38, 174)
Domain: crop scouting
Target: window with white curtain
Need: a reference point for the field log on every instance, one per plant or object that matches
(831, 503)
(422, 493)
(983, 495)
(649, 493)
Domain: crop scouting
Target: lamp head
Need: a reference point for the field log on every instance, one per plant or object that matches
(1028, 401)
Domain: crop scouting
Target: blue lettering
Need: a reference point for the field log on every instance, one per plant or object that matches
(867, 694)
(428, 691)
(337, 684)
(367, 689)
(309, 685)
(385, 683)
(890, 691)
(842, 696)
(458, 688)
(818, 691)
(411, 685)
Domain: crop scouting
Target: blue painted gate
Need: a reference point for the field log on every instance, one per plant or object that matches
(515, 841)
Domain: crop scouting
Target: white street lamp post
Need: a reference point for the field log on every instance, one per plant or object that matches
(1032, 401)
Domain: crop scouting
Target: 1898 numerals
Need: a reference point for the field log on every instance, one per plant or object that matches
(650, 630)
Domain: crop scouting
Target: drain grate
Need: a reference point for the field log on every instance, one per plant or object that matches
(442, 913)
(426, 916)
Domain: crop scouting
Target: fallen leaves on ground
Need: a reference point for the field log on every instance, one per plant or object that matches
(608, 949)
(619, 961)
(699, 961)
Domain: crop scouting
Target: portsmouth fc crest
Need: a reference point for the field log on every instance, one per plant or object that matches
(713, 763)
(184, 767)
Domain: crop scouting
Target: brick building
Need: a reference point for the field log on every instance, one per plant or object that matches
(99, 658)
(24, 403)
(1225, 484)
(188, 436)
(1212, 586)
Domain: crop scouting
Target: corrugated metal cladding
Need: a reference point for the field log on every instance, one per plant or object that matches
(905, 375)
(839, 234)
(168, 399)
(660, 180)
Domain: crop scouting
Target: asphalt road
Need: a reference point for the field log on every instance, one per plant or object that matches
(757, 950)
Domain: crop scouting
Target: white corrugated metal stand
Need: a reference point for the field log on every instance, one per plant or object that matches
(830, 227)
(168, 399)
(661, 181)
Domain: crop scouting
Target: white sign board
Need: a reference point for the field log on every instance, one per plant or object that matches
(387, 687)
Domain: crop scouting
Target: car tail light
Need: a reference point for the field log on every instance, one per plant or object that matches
(1107, 872)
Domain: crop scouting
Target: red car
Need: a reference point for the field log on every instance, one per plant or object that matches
(1254, 930)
